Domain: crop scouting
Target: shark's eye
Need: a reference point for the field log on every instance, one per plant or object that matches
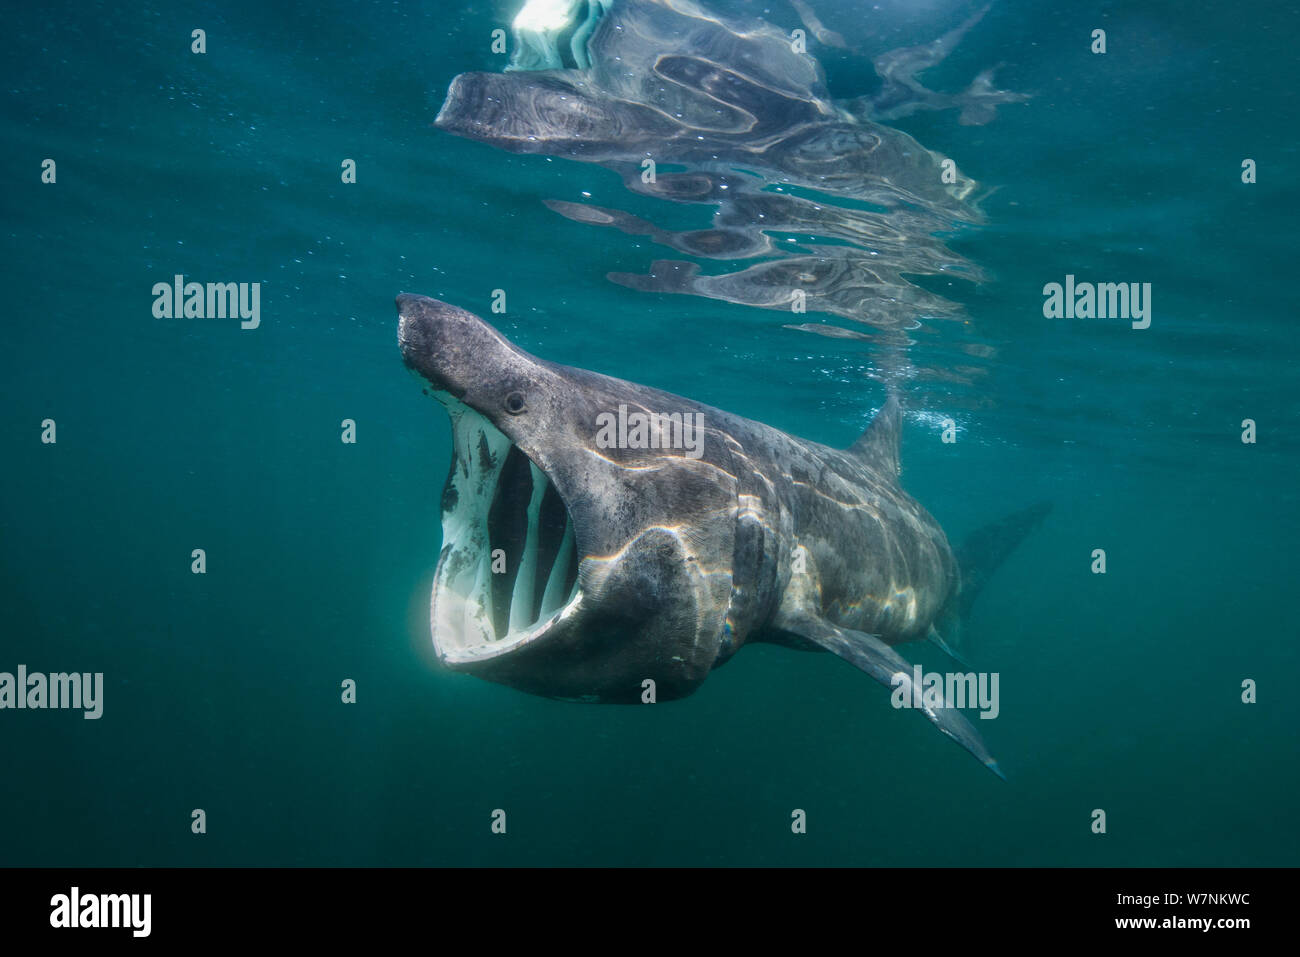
(515, 403)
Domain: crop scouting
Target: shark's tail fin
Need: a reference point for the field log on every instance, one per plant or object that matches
(978, 557)
(986, 548)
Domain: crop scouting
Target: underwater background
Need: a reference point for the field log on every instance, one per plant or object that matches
(1120, 691)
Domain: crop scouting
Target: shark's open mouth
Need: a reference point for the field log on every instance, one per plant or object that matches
(509, 565)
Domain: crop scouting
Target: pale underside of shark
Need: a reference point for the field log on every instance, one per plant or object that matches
(574, 569)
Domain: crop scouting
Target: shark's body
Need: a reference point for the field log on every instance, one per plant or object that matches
(614, 566)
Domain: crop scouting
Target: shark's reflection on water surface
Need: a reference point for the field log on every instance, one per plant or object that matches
(817, 208)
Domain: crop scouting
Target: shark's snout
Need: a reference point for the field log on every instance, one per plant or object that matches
(443, 343)
(419, 328)
(418, 319)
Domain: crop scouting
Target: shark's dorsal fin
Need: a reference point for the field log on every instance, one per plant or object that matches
(879, 444)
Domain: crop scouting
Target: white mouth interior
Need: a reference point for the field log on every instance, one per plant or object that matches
(509, 565)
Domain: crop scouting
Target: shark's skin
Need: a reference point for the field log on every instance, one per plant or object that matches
(680, 560)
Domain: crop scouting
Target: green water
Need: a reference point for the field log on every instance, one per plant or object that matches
(222, 691)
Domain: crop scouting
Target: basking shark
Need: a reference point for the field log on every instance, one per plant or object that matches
(579, 568)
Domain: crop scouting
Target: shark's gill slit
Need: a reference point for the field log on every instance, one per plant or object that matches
(556, 567)
(507, 530)
(511, 559)
(521, 601)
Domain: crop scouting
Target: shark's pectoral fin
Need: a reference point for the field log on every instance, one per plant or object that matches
(887, 666)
